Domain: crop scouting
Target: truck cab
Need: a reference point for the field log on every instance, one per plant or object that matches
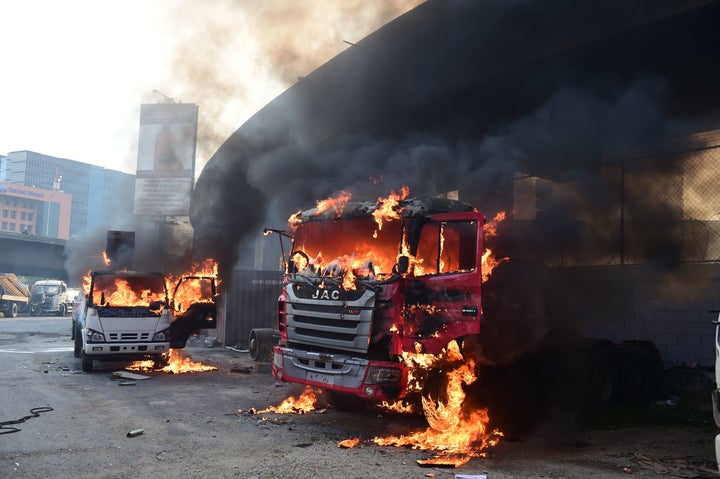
(125, 316)
(361, 293)
(50, 296)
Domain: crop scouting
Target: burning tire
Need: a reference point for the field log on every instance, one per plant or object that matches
(434, 398)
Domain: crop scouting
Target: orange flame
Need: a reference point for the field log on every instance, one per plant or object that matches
(349, 443)
(490, 230)
(457, 436)
(387, 207)
(178, 363)
(306, 402)
(337, 204)
(105, 258)
(194, 290)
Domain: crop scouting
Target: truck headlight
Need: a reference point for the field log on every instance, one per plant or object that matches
(95, 336)
(380, 375)
(160, 336)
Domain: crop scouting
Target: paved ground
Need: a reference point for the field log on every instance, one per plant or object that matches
(198, 426)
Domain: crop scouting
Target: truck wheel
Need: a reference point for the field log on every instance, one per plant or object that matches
(77, 350)
(62, 310)
(161, 361)
(434, 399)
(601, 374)
(86, 364)
(643, 372)
(260, 343)
(13, 310)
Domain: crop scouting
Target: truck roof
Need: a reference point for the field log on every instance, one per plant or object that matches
(407, 208)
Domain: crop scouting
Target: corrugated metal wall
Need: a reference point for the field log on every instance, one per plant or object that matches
(250, 302)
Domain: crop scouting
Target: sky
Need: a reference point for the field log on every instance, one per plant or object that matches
(74, 73)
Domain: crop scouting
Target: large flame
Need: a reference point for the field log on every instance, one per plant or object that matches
(456, 435)
(366, 254)
(178, 363)
(194, 288)
(490, 230)
(387, 208)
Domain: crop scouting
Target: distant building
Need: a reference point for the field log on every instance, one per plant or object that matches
(100, 197)
(34, 211)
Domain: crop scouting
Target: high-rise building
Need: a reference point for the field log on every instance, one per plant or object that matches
(100, 197)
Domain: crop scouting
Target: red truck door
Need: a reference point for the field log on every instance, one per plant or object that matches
(442, 296)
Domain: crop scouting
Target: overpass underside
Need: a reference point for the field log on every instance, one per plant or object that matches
(32, 256)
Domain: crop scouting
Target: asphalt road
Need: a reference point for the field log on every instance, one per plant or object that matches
(197, 425)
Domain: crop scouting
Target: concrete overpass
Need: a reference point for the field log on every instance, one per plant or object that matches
(37, 256)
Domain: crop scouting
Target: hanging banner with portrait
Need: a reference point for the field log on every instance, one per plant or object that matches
(166, 159)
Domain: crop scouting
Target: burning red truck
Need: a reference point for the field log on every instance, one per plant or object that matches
(369, 285)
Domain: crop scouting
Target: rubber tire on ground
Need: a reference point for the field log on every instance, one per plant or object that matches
(87, 364)
(13, 310)
(260, 344)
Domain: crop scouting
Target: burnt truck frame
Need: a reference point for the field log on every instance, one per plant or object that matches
(148, 330)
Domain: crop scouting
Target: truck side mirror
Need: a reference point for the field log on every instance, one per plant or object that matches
(403, 264)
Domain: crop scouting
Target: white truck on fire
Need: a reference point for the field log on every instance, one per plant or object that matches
(124, 316)
(129, 315)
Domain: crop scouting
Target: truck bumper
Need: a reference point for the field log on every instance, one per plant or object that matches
(375, 380)
(125, 351)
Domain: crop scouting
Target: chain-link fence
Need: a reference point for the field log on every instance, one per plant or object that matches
(658, 207)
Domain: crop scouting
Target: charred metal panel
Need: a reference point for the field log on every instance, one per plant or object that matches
(251, 303)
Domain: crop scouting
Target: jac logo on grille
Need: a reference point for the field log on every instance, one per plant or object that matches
(325, 294)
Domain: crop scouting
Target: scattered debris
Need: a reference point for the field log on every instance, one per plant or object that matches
(127, 383)
(135, 432)
(129, 375)
(243, 370)
(679, 467)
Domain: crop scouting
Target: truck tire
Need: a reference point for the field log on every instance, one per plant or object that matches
(642, 372)
(13, 310)
(77, 350)
(160, 361)
(87, 364)
(62, 310)
(433, 395)
(600, 383)
(260, 344)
